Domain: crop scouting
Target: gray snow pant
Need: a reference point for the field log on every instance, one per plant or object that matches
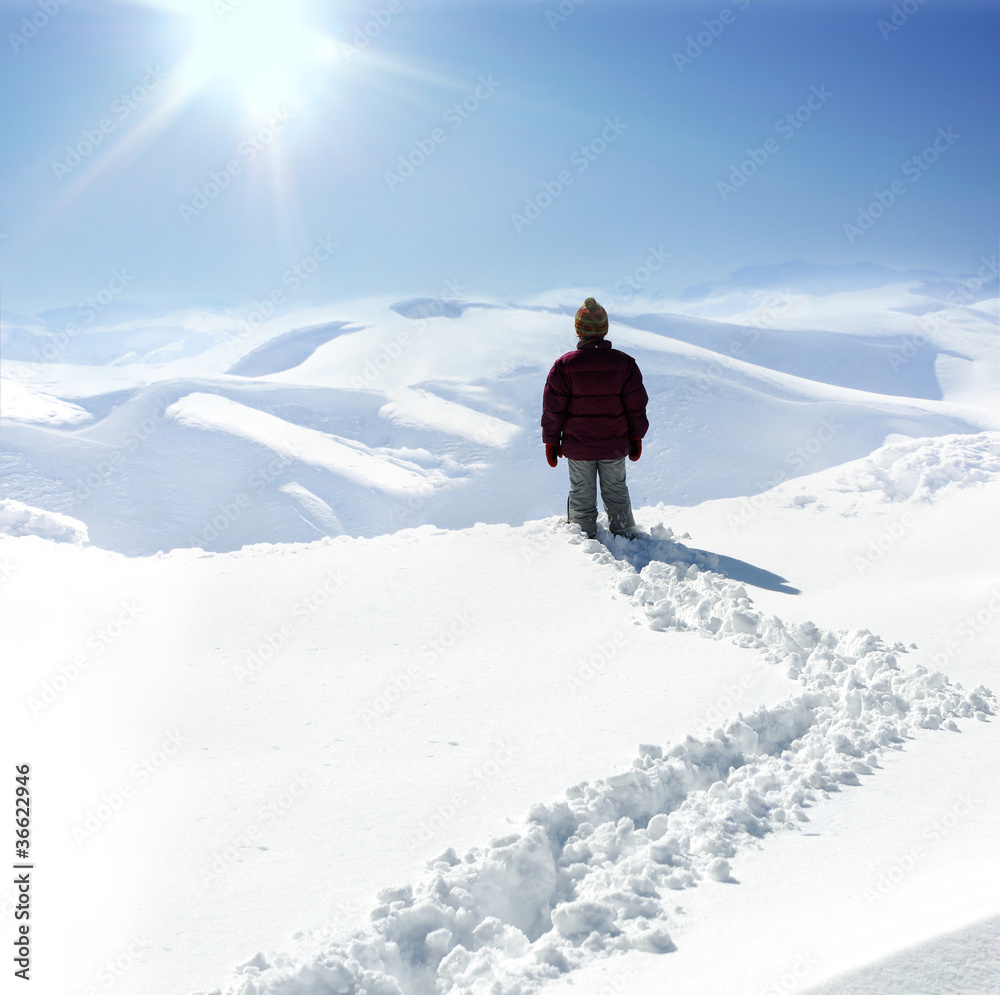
(581, 506)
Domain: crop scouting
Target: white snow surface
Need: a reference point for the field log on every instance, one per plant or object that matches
(914, 470)
(355, 463)
(332, 700)
(590, 875)
(19, 402)
(18, 519)
(965, 961)
(395, 414)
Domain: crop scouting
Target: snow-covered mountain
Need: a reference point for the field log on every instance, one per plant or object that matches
(322, 696)
(367, 416)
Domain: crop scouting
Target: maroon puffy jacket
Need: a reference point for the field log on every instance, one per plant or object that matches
(594, 402)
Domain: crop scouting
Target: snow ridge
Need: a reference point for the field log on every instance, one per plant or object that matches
(589, 875)
(19, 519)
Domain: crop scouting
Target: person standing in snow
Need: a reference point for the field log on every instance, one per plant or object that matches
(594, 414)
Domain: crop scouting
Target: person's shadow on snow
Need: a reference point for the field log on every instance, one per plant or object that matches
(747, 573)
(661, 545)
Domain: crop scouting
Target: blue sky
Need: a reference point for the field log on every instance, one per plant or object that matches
(581, 142)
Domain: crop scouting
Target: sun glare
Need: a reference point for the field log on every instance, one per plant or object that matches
(263, 49)
(264, 53)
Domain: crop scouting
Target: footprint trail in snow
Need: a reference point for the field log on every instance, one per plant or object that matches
(593, 874)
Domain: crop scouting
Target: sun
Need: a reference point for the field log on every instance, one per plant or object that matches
(263, 50)
(264, 55)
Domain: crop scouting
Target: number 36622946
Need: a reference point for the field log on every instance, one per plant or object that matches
(22, 810)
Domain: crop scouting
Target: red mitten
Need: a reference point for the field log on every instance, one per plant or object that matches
(552, 453)
(636, 450)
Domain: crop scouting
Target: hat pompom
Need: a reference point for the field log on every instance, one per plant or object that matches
(591, 319)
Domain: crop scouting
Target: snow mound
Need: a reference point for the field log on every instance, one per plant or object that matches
(284, 352)
(354, 461)
(921, 469)
(591, 875)
(17, 519)
(20, 402)
(420, 409)
(918, 471)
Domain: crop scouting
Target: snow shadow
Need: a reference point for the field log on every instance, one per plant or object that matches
(962, 961)
(418, 308)
(661, 546)
(747, 573)
(285, 352)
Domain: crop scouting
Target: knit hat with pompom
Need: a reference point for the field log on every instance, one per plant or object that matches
(591, 319)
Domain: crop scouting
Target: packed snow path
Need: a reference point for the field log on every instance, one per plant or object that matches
(592, 875)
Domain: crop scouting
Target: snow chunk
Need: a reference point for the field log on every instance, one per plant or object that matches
(718, 869)
(658, 825)
(580, 919)
(256, 964)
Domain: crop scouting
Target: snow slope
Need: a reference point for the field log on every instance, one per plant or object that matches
(253, 696)
(377, 735)
(450, 394)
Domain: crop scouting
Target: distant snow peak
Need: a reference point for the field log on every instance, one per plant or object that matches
(808, 278)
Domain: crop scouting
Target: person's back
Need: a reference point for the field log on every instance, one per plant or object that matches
(594, 414)
(597, 391)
